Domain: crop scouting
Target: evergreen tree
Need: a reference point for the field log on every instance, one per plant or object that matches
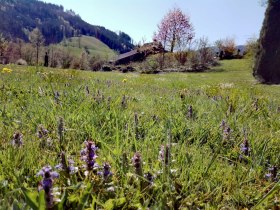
(267, 64)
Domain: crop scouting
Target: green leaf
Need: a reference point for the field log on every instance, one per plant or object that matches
(114, 203)
(15, 205)
(63, 199)
(31, 198)
(42, 200)
(84, 197)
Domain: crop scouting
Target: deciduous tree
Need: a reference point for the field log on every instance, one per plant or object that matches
(37, 40)
(251, 47)
(174, 29)
(205, 52)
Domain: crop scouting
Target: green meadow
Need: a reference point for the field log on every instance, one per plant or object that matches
(76, 45)
(200, 122)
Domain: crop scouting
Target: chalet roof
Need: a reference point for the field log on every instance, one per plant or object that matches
(128, 54)
(140, 53)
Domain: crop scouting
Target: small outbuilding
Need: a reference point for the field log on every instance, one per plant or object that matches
(128, 57)
(140, 53)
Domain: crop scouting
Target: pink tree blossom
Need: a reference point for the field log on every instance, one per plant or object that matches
(174, 30)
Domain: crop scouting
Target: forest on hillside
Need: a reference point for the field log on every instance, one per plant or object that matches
(20, 17)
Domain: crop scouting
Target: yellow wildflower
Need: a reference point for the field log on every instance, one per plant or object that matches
(6, 70)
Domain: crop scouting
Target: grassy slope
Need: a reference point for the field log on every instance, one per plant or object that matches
(209, 175)
(95, 47)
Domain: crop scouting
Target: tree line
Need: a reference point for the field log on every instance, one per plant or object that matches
(34, 51)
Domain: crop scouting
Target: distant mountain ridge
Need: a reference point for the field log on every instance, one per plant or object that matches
(19, 17)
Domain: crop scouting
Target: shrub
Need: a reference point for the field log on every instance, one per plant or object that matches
(227, 46)
(75, 64)
(106, 68)
(60, 58)
(95, 63)
(181, 57)
(151, 64)
(84, 64)
(205, 52)
(251, 47)
(21, 62)
(28, 54)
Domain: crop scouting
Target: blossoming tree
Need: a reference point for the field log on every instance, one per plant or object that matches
(174, 30)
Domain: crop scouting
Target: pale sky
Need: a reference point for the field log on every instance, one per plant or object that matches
(215, 19)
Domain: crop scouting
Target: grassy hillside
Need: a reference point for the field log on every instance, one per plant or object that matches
(219, 154)
(76, 45)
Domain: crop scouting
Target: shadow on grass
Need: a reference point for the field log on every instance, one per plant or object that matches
(218, 70)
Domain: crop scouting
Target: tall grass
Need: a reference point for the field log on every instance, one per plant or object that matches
(206, 167)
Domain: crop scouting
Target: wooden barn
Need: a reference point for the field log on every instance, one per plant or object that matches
(128, 57)
(140, 53)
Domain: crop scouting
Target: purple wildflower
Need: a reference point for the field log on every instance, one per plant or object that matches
(190, 112)
(164, 154)
(106, 170)
(223, 125)
(137, 163)
(273, 174)
(47, 184)
(245, 149)
(17, 139)
(88, 154)
(106, 173)
(42, 132)
(66, 165)
(226, 133)
(149, 177)
(226, 130)
(56, 97)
